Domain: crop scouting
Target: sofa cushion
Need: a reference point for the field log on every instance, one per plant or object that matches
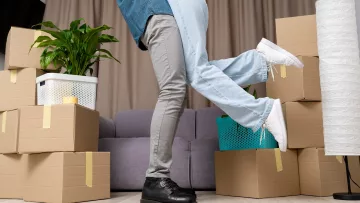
(206, 127)
(136, 123)
(130, 160)
(107, 128)
(203, 164)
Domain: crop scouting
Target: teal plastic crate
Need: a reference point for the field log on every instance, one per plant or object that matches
(236, 137)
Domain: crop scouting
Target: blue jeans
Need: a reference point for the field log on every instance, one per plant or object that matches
(219, 80)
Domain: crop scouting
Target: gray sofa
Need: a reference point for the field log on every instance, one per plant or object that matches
(128, 137)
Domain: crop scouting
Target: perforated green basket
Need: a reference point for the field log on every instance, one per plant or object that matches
(233, 136)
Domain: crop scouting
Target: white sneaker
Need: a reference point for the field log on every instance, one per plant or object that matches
(275, 123)
(276, 55)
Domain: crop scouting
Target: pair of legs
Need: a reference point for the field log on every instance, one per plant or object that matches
(176, 59)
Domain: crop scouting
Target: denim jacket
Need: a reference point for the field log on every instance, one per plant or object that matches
(137, 13)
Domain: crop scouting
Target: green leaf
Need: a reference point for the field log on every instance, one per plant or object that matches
(91, 71)
(49, 43)
(109, 54)
(49, 58)
(75, 48)
(104, 38)
(247, 88)
(39, 39)
(48, 24)
(42, 58)
(255, 94)
(56, 34)
(96, 31)
(75, 24)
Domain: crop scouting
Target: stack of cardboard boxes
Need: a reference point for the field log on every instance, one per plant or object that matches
(304, 168)
(299, 90)
(47, 153)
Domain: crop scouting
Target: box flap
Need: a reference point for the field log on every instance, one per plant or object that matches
(332, 174)
(309, 171)
(86, 129)
(312, 91)
(59, 137)
(20, 93)
(277, 184)
(290, 88)
(9, 131)
(308, 114)
(18, 43)
(298, 35)
(235, 173)
(11, 176)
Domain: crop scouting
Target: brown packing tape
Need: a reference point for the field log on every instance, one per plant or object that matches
(3, 122)
(278, 159)
(47, 117)
(340, 159)
(13, 76)
(70, 100)
(89, 169)
(283, 71)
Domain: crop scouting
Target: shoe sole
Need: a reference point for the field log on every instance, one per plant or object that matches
(275, 47)
(151, 201)
(281, 119)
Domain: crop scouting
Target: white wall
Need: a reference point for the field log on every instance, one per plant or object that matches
(357, 4)
(2, 61)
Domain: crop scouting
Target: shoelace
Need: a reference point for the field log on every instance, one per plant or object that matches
(271, 69)
(263, 133)
(171, 185)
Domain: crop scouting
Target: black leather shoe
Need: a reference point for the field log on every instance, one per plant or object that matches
(164, 190)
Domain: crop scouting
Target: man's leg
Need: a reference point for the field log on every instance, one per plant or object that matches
(163, 40)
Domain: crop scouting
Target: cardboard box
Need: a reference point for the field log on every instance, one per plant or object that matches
(12, 176)
(298, 35)
(320, 175)
(67, 177)
(304, 124)
(354, 167)
(294, 84)
(9, 131)
(254, 173)
(18, 88)
(58, 128)
(18, 44)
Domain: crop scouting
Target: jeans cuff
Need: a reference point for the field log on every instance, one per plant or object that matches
(264, 68)
(158, 175)
(265, 115)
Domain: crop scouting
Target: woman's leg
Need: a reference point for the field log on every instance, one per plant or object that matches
(209, 80)
(212, 80)
(246, 69)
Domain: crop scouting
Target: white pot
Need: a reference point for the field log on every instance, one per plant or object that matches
(53, 87)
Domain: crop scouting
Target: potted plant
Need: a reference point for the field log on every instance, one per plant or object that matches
(74, 50)
(233, 136)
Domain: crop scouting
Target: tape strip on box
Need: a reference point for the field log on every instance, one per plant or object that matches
(283, 71)
(47, 117)
(3, 122)
(340, 159)
(70, 100)
(89, 169)
(13, 76)
(279, 165)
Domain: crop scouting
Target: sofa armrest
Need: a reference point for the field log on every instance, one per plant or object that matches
(107, 128)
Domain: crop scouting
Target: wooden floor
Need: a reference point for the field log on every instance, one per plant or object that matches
(209, 197)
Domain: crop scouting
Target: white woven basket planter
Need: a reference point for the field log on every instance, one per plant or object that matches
(53, 87)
